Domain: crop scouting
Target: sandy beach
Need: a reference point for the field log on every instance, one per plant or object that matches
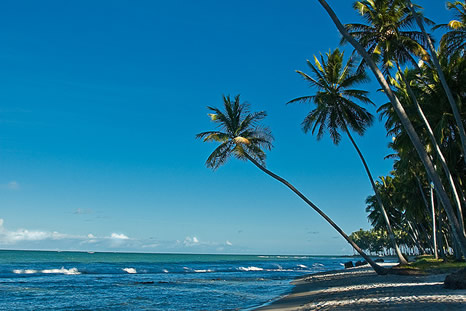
(362, 289)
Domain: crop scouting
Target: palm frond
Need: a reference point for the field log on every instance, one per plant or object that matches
(241, 133)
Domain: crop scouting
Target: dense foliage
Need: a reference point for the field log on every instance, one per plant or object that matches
(407, 192)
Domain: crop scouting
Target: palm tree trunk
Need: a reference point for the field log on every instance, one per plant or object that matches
(457, 233)
(416, 238)
(424, 199)
(441, 158)
(401, 259)
(447, 245)
(434, 227)
(378, 269)
(427, 240)
(454, 107)
(439, 234)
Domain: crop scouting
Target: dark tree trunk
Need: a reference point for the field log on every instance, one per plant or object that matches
(378, 269)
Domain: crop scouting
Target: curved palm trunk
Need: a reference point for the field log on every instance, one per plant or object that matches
(378, 269)
(433, 175)
(454, 106)
(441, 158)
(400, 256)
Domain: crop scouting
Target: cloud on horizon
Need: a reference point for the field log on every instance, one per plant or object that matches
(119, 236)
(19, 235)
(115, 241)
(34, 237)
(190, 241)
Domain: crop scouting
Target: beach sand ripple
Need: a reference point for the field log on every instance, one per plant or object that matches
(361, 289)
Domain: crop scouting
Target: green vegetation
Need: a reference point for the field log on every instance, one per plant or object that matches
(432, 265)
(419, 205)
(427, 264)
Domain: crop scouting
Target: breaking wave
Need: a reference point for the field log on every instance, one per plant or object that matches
(72, 271)
(250, 269)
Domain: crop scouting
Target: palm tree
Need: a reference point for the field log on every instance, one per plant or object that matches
(455, 38)
(388, 35)
(451, 100)
(336, 110)
(433, 175)
(241, 136)
(427, 92)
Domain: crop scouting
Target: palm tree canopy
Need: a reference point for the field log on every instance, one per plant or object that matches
(335, 97)
(388, 34)
(455, 38)
(239, 132)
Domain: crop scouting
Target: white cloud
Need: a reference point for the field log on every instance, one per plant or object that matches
(119, 236)
(19, 235)
(50, 239)
(191, 241)
(23, 238)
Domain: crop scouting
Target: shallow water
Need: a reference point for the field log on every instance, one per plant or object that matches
(33, 280)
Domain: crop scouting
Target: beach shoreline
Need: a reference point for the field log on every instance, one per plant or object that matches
(361, 288)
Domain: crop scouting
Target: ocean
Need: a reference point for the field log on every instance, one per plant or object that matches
(47, 280)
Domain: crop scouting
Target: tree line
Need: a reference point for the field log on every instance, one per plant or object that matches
(419, 206)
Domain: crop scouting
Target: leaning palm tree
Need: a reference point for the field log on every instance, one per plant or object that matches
(241, 136)
(405, 121)
(336, 110)
(389, 36)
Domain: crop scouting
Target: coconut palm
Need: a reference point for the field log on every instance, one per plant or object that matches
(388, 35)
(336, 110)
(241, 136)
(451, 100)
(434, 106)
(426, 161)
(436, 109)
(455, 38)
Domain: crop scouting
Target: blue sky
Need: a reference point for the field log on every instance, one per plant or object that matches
(100, 103)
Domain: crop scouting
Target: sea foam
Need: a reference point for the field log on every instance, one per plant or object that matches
(203, 271)
(27, 271)
(129, 270)
(72, 271)
(250, 269)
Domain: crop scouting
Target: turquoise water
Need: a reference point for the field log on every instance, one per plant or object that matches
(36, 280)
